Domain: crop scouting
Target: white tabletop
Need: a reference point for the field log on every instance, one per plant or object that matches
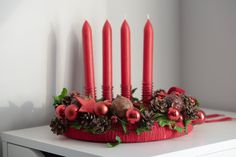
(204, 139)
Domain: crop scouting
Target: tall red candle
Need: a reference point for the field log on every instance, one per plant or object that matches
(107, 61)
(125, 60)
(88, 61)
(147, 61)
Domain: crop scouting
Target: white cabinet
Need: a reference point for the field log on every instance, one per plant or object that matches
(209, 140)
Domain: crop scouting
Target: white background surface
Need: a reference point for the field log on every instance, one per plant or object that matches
(40, 50)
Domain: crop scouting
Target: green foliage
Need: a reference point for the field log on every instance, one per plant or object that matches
(123, 124)
(142, 129)
(164, 121)
(186, 123)
(76, 126)
(57, 99)
(113, 144)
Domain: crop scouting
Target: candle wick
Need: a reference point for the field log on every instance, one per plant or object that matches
(148, 17)
(125, 17)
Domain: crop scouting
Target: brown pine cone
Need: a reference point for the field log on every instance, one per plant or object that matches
(57, 126)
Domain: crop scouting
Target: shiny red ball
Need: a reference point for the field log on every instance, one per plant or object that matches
(173, 114)
(60, 111)
(100, 108)
(180, 118)
(132, 115)
(71, 112)
(201, 117)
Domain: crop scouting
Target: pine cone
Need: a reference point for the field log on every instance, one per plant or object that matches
(147, 119)
(57, 126)
(96, 125)
(174, 101)
(190, 109)
(86, 118)
(158, 105)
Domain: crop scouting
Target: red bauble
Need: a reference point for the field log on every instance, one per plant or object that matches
(100, 108)
(173, 114)
(201, 117)
(71, 112)
(60, 111)
(132, 116)
(176, 90)
(181, 118)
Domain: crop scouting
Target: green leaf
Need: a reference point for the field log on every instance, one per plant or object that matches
(133, 90)
(77, 126)
(64, 92)
(141, 130)
(134, 99)
(113, 144)
(123, 124)
(179, 129)
(186, 123)
(57, 99)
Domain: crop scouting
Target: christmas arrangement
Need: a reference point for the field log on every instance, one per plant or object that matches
(158, 115)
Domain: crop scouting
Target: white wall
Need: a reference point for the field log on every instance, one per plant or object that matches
(208, 51)
(41, 52)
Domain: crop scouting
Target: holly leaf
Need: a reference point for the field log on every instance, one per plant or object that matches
(134, 90)
(123, 124)
(113, 144)
(186, 123)
(77, 126)
(178, 128)
(141, 130)
(57, 99)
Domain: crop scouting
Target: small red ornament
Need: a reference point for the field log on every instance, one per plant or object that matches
(132, 116)
(60, 111)
(180, 118)
(87, 105)
(71, 112)
(192, 100)
(114, 119)
(201, 117)
(100, 108)
(176, 90)
(173, 114)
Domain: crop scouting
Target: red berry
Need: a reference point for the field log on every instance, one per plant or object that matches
(60, 111)
(133, 115)
(173, 114)
(114, 119)
(71, 112)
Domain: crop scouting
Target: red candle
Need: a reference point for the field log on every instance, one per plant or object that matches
(107, 61)
(88, 61)
(147, 61)
(125, 60)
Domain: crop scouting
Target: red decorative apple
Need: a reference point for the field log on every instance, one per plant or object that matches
(71, 112)
(100, 108)
(176, 90)
(132, 115)
(201, 117)
(173, 114)
(60, 111)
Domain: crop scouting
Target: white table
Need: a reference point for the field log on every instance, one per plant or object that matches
(211, 139)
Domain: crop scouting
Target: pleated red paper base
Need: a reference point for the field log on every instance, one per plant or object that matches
(157, 133)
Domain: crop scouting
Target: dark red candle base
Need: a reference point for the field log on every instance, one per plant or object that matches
(157, 133)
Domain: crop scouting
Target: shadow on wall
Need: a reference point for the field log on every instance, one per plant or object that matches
(75, 61)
